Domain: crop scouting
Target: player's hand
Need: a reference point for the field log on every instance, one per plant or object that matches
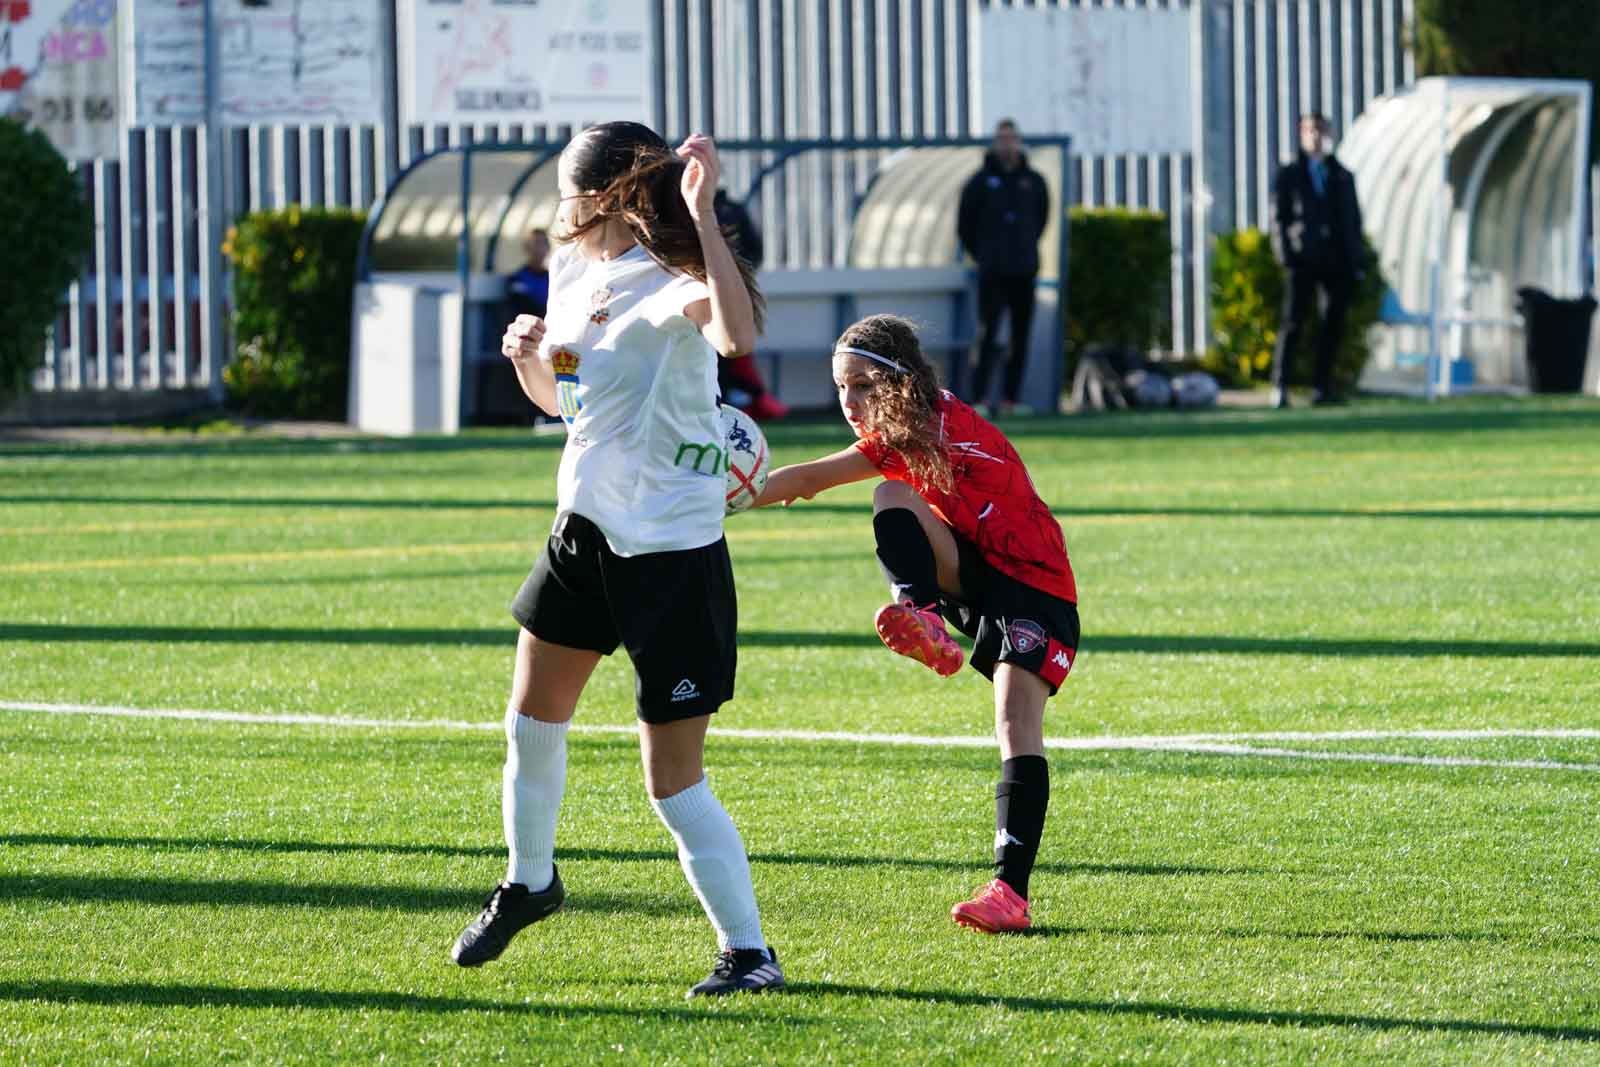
(522, 338)
(700, 177)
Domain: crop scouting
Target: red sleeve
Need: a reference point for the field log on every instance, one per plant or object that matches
(873, 449)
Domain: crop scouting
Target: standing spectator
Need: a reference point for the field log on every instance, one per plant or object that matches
(1316, 233)
(1004, 208)
(739, 379)
(528, 290)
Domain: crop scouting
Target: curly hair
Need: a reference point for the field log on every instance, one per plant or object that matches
(899, 409)
(634, 176)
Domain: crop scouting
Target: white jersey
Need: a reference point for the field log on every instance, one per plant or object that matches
(637, 386)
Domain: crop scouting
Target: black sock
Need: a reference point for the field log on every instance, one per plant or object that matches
(1020, 801)
(906, 556)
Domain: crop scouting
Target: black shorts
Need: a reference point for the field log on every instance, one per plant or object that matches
(1011, 622)
(675, 613)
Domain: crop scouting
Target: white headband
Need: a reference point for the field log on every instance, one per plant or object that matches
(864, 354)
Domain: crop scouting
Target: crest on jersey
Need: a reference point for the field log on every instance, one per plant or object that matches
(600, 306)
(565, 362)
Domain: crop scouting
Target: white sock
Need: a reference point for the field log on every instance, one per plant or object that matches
(530, 796)
(714, 860)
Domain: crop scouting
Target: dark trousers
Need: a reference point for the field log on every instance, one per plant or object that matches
(998, 293)
(1300, 287)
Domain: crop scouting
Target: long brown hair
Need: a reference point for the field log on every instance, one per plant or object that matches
(899, 409)
(636, 177)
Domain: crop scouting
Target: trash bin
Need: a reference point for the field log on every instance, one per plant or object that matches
(1558, 339)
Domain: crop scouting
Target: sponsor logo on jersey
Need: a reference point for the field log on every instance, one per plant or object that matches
(704, 458)
(1025, 635)
(599, 306)
(564, 361)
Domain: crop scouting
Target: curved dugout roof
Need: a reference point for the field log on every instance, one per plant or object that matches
(1500, 162)
(418, 223)
(906, 218)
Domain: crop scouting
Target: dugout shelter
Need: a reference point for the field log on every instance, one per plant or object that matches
(429, 303)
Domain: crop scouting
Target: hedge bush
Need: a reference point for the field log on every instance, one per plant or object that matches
(1246, 299)
(1119, 265)
(293, 280)
(45, 229)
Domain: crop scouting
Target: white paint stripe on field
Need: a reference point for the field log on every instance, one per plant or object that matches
(1385, 757)
(1235, 744)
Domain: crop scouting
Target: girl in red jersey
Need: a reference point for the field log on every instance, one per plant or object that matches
(962, 536)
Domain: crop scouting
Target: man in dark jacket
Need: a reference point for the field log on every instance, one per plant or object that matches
(1004, 208)
(1316, 233)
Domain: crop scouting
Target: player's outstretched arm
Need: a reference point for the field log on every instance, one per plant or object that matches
(802, 481)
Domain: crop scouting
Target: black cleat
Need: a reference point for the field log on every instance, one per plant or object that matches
(508, 909)
(741, 970)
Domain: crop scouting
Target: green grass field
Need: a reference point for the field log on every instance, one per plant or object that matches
(188, 889)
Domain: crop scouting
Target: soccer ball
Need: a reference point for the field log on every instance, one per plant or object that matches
(745, 458)
(1197, 389)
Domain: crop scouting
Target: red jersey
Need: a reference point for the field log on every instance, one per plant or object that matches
(994, 504)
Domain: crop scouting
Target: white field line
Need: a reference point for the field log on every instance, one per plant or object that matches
(1231, 744)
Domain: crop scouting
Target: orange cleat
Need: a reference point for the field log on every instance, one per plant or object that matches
(994, 909)
(920, 634)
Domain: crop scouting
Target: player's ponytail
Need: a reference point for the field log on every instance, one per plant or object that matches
(900, 407)
(636, 177)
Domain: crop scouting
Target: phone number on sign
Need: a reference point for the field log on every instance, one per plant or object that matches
(53, 109)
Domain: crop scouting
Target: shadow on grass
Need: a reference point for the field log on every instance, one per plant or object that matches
(505, 637)
(1363, 419)
(79, 888)
(570, 855)
(1203, 511)
(511, 573)
(275, 448)
(338, 503)
(1203, 1014)
(1386, 937)
(151, 995)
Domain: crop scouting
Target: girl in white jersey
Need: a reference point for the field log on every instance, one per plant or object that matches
(644, 294)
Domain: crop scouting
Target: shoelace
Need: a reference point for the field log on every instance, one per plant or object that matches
(491, 903)
(728, 963)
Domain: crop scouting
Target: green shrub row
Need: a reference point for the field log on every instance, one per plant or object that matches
(1246, 301)
(45, 228)
(293, 281)
(1119, 289)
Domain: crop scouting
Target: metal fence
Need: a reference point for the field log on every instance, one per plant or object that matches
(147, 312)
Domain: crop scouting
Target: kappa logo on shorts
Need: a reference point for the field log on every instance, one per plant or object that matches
(1025, 635)
(1057, 663)
(684, 690)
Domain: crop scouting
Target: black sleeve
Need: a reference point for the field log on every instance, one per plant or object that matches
(1282, 209)
(1358, 250)
(1043, 198)
(967, 215)
(732, 215)
(750, 239)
